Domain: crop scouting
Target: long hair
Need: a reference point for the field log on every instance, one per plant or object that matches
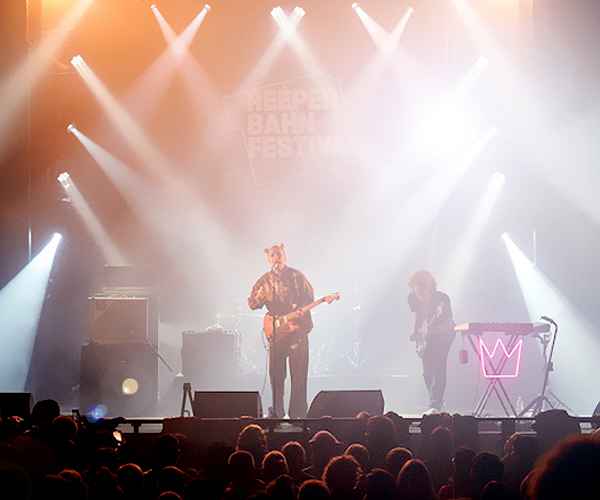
(423, 278)
(414, 482)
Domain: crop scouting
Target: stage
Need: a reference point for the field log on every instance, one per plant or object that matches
(174, 174)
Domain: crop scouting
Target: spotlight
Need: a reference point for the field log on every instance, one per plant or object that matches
(65, 180)
(277, 12)
(129, 386)
(77, 60)
(56, 239)
(299, 11)
(207, 7)
(153, 7)
(355, 6)
(498, 179)
(71, 128)
(505, 236)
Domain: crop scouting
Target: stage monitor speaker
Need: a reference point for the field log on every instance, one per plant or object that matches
(118, 379)
(346, 403)
(227, 404)
(15, 404)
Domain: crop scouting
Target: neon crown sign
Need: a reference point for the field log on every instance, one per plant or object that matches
(493, 363)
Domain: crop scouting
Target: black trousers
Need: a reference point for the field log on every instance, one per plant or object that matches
(435, 364)
(296, 350)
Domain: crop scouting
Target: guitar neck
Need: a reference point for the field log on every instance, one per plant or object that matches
(312, 305)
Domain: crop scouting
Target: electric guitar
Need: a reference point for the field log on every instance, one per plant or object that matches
(422, 335)
(276, 326)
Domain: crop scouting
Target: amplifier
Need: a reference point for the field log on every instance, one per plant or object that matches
(119, 319)
(120, 378)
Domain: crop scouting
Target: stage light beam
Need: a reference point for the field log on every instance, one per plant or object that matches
(147, 90)
(447, 124)
(577, 348)
(465, 250)
(122, 176)
(385, 42)
(287, 25)
(21, 304)
(15, 89)
(112, 256)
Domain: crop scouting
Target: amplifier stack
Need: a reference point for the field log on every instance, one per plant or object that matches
(119, 364)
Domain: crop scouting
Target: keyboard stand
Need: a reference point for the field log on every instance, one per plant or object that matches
(495, 385)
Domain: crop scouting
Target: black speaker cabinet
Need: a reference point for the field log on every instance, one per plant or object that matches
(346, 403)
(15, 404)
(227, 404)
(119, 379)
(119, 319)
(209, 359)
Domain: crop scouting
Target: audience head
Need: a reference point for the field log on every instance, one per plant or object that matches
(414, 482)
(401, 427)
(282, 488)
(54, 486)
(75, 485)
(441, 442)
(313, 489)
(380, 429)
(166, 450)
(169, 495)
(131, 479)
(569, 470)
(526, 447)
(381, 438)
(171, 478)
(64, 428)
(252, 439)
(462, 461)
(495, 490)
(43, 413)
(380, 485)
(341, 475)
(395, 460)
(295, 455)
(241, 465)
(104, 484)
(486, 467)
(361, 454)
(274, 465)
(324, 446)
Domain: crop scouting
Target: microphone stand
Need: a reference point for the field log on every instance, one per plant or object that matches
(537, 404)
(272, 355)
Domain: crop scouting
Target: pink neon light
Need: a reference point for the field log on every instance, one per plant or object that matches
(491, 355)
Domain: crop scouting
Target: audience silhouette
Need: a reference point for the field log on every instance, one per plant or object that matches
(56, 456)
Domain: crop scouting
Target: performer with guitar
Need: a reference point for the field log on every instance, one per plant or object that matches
(289, 297)
(433, 333)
